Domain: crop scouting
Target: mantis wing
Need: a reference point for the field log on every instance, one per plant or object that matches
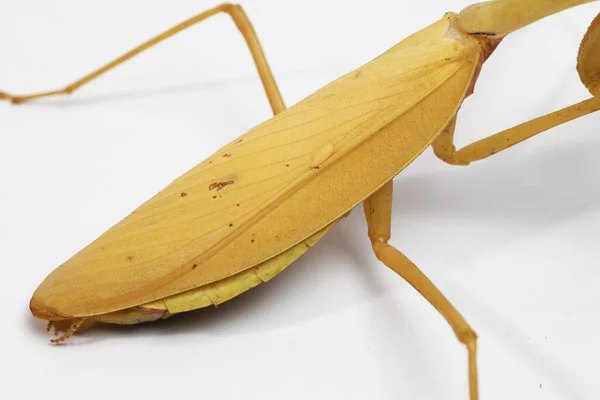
(276, 185)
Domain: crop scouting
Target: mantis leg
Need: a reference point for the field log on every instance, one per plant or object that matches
(239, 18)
(588, 66)
(498, 18)
(444, 148)
(378, 211)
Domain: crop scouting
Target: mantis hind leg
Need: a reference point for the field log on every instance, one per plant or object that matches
(239, 18)
(378, 213)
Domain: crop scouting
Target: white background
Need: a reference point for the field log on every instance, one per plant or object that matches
(512, 240)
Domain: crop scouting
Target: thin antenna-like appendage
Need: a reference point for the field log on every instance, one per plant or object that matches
(72, 329)
(241, 21)
(498, 18)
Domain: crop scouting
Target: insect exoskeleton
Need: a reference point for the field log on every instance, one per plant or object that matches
(251, 209)
(240, 217)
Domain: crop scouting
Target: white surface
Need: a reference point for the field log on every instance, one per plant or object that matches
(512, 240)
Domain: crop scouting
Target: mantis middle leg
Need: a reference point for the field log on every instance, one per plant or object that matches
(378, 211)
(239, 18)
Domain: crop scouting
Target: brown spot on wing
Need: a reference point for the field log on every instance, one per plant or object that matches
(219, 185)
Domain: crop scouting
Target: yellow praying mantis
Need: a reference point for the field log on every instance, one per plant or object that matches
(252, 208)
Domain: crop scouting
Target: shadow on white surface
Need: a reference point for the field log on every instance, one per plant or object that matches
(513, 337)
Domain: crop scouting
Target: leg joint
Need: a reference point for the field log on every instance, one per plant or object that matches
(466, 337)
(378, 243)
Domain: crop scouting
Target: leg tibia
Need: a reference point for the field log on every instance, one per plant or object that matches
(241, 21)
(398, 262)
(378, 211)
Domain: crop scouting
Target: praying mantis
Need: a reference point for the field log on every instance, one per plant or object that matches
(475, 28)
